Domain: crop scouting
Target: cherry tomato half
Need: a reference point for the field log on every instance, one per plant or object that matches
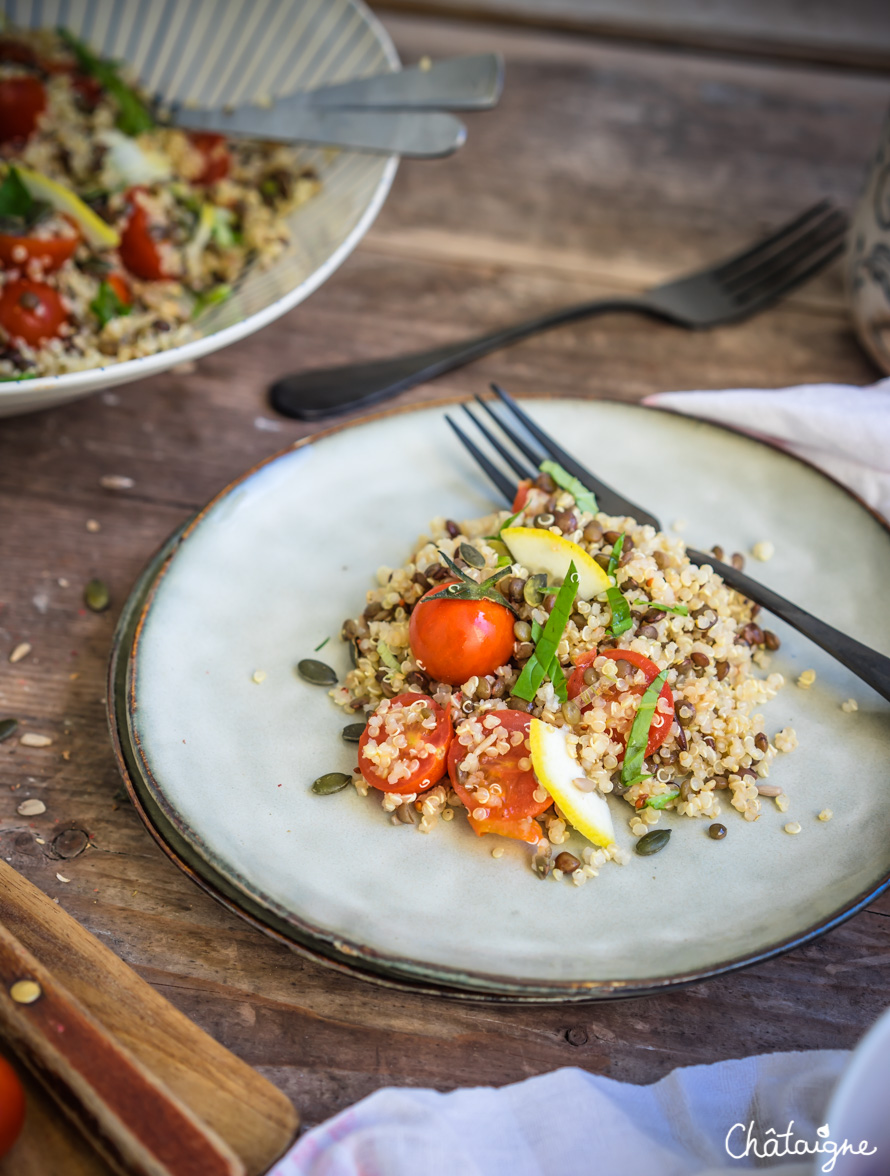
(52, 252)
(511, 807)
(418, 764)
(138, 250)
(217, 159)
(22, 101)
(31, 311)
(454, 640)
(12, 1106)
(661, 723)
(121, 287)
(521, 495)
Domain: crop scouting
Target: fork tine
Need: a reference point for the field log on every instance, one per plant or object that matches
(512, 461)
(608, 500)
(500, 479)
(795, 277)
(827, 232)
(729, 267)
(520, 443)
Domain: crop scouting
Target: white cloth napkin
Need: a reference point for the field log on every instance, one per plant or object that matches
(572, 1122)
(842, 429)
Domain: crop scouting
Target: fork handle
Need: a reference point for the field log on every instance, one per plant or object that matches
(869, 665)
(325, 391)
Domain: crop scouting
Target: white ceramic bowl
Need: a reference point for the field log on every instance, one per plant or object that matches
(215, 52)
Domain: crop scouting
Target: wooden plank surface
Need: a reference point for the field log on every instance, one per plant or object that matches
(605, 168)
(855, 33)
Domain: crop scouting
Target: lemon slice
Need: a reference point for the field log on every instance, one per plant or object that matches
(94, 229)
(557, 770)
(542, 551)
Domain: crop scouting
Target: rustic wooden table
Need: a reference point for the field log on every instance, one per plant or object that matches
(606, 167)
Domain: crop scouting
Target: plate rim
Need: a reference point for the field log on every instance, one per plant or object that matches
(72, 385)
(337, 950)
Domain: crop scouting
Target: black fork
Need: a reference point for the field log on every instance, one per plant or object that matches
(524, 460)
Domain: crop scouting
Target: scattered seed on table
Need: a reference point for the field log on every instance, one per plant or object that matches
(717, 831)
(792, 827)
(258, 676)
(21, 651)
(62, 878)
(826, 815)
(31, 808)
(316, 672)
(653, 842)
(763, 550)
(849, 706)
(331, 782)
(7, 728)
(116, 482)
(96, 596)
(32, 739)
(567, 862)
(806, 679)
(352, 732)
(93, 525)
(498, 851)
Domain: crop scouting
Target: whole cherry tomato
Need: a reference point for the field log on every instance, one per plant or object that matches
(31, 311)
(12, 1106)
(138, 250)
(454, 640)
(661, 723)
(217, 159)
(510, 807)
(52, 252)
(22, 101)
(420, 763)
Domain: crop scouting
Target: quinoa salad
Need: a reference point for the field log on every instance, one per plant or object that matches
(117, 232)
(555, 670)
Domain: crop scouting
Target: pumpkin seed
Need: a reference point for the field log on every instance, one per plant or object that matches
(330, 783)
(96, 596)
(7, 728)
(653, 842)
(316, 672)
(535, 589)
(352, 732)
(473, 557)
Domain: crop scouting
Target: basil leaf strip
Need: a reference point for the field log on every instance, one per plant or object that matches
(16, 201)
(107, 305)
(554, 670)
(680, 609)
(211, 297)
(133, 115)
(621, 619)
(584, 499)
(388, 657)
(540, 662)
(639, 731)
(662, 801)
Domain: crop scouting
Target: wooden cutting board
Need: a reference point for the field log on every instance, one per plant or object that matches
(248, 1112)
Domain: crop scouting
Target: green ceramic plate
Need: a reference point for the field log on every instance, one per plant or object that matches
(220, 765)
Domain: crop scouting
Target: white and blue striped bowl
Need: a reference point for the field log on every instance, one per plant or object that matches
(215, 52)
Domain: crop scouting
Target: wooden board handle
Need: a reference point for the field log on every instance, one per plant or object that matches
(140, 1127)
(254, 1117)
